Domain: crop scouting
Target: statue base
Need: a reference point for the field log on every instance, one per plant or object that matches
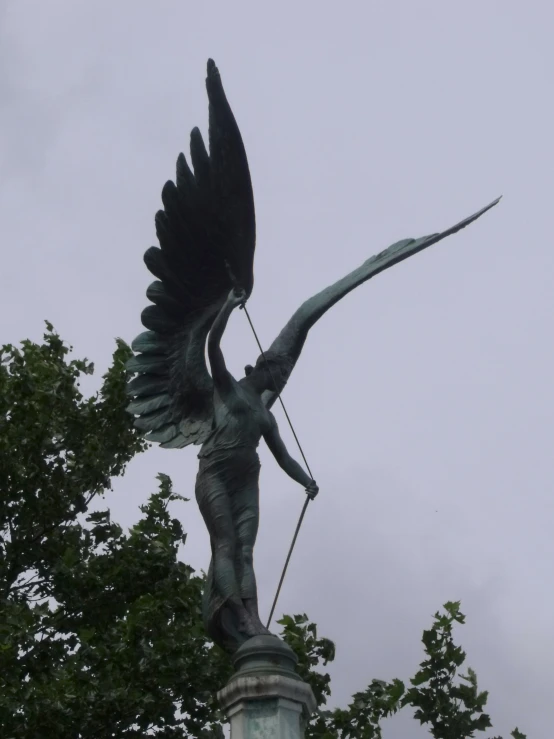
(265, 697)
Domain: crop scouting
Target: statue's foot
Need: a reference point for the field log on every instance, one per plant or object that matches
(252, 626)
(261, 628)
(251, 606)
(248, 626)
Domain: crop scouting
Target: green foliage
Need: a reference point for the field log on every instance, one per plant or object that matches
(451, 709)
(123, 648)
(57, 449)
(362, 718)
(100, 630)
(312, 651)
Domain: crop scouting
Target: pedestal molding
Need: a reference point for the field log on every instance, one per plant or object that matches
(240, 689)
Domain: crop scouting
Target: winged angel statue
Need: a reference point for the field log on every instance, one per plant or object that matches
(204, 270)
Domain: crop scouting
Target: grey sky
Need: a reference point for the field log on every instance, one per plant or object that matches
(424, 400)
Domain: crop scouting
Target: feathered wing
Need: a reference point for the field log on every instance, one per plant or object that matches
(206, 232)
(288, 345)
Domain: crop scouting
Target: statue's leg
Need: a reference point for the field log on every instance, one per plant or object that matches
(246, 513)
(214, 501)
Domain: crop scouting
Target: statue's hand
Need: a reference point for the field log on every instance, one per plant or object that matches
(312, 489)
(236, 297)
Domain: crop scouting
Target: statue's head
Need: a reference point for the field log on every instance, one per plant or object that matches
(270, 372)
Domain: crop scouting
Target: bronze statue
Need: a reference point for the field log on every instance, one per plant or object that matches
(204, 268)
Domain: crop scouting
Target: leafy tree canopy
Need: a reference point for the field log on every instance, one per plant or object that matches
(100, 629)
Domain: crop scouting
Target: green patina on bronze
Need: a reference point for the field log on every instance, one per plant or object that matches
(204, 270)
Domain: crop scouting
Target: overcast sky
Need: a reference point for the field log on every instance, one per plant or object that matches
(425, 399)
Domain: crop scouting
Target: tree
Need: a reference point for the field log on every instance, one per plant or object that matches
(100, 630)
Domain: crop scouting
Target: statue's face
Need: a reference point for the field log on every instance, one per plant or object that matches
(269, 375)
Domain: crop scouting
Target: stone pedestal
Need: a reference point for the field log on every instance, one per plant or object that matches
(265, 698)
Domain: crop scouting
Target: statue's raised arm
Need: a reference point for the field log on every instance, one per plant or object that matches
(287, 347)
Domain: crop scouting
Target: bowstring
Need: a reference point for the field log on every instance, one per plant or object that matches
(308, 498)
(243, 307)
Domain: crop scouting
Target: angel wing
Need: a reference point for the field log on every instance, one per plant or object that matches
(207, 237)
(287, 346)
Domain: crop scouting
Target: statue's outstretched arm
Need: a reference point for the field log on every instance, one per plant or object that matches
(289, 465)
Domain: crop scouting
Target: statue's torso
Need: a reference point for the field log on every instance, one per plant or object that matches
(239, 421)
